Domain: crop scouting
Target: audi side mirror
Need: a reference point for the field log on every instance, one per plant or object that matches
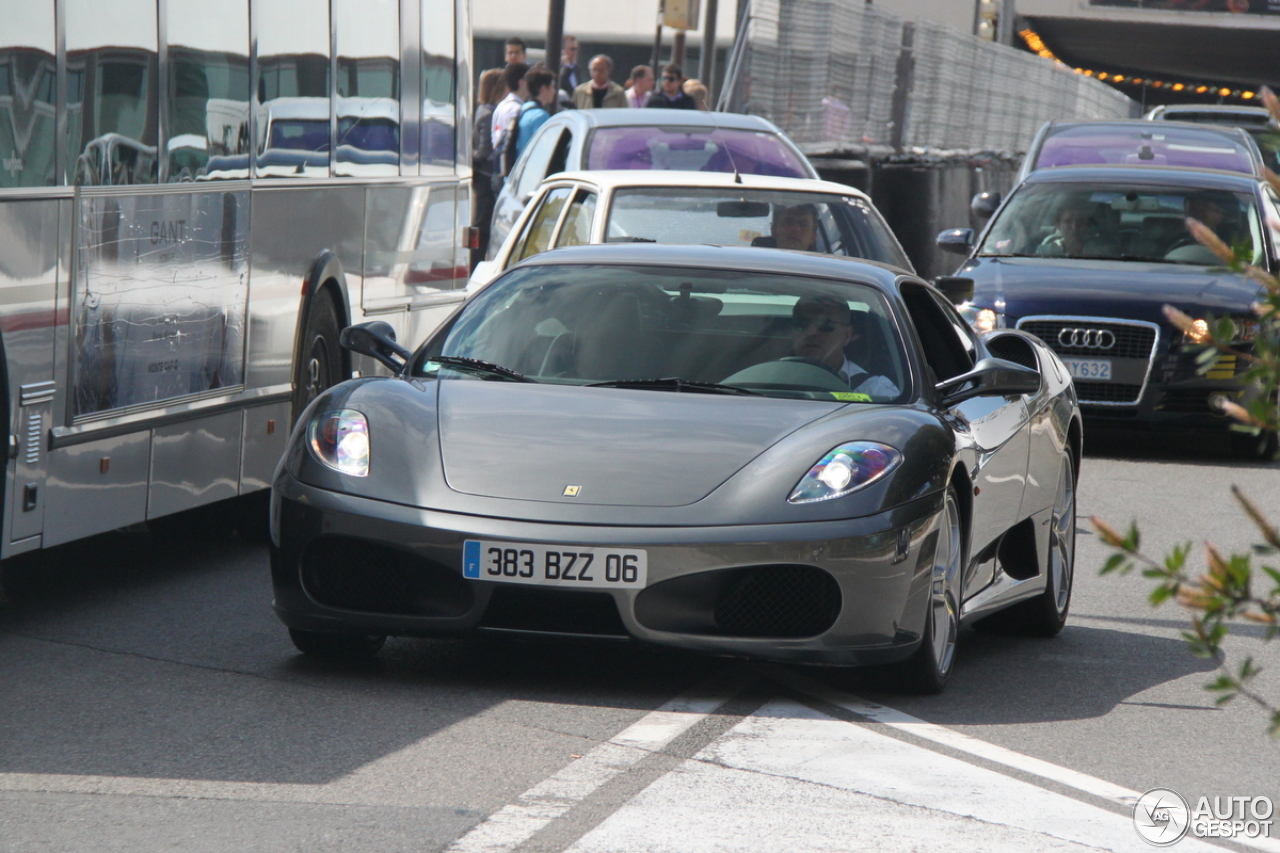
(957, 241)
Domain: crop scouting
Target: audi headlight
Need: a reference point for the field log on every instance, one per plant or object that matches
(1234, 330)
(981, 319)
(341, 441)
(845, 469)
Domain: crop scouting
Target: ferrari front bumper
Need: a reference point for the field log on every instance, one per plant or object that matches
(847, 592)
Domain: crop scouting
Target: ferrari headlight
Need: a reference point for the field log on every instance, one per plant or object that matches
(341, 440)
(846, 469)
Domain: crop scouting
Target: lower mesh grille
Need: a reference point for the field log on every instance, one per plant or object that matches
(1107, 392)
(521, 608)
(352, 574)
(770, 601)
(780, 601)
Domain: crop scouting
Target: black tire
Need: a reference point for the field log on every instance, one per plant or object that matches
(1046, 614)
(334, 644)
(319, 363)
(929, 667)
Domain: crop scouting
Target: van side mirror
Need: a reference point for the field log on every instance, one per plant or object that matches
(956, 288)
(983, 205)
(957, 241)
(377, 340)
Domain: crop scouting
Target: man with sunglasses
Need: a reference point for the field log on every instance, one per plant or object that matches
(823, 328)
(672, 95)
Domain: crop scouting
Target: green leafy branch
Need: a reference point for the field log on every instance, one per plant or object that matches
(1227, 588)
(1223, 592)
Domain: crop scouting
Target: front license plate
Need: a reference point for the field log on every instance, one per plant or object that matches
(552, 565)
(1098, 369)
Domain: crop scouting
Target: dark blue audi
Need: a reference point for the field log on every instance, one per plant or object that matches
(1086, 258)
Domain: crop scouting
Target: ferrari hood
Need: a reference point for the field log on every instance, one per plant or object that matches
(609, 446)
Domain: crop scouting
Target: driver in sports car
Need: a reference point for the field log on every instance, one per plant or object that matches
(823, 329)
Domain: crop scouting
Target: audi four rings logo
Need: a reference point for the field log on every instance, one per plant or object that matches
(1089, 338)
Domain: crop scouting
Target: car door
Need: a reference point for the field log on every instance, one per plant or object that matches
(996, 426)
(528, 172)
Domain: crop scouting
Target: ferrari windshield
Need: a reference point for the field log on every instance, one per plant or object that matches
(749, 152)
(1117, 222)
(714, 331)
(814, 222)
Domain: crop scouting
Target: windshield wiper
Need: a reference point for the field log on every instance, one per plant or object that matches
(476, 365)
(675, 383)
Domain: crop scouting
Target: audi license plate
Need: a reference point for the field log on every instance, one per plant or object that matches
(553, 565)
(1097, 369)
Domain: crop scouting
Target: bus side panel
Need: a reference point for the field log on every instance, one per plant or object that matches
(266, 431)
(97, 486)
(29, 271)
(194, 463)
(292, 226)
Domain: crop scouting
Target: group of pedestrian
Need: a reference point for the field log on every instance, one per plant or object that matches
(516, 100)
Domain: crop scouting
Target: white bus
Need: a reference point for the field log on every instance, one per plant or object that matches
(195, 198)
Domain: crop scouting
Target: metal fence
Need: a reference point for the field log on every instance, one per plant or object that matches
(847, 78)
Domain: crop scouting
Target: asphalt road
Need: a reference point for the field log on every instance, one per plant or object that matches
(151, 702)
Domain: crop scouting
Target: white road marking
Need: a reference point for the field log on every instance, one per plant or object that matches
(512, 825)
(982, 749)
(790, 778)
(959, 741)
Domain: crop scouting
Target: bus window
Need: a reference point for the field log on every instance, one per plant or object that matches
(27, 65)
(208, 97)
(293, 88)
(368, 87)
(438, 85)
(112, 113)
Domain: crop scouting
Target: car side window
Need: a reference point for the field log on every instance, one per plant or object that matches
(537, 234)
(536, 161)
(948, 344)
(576, 230)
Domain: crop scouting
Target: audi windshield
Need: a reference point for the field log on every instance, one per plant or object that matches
(1123, 223)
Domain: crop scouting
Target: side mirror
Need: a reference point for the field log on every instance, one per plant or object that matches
(957, 241)
(990, 377)
(983, 205)
(956, 288)
(377, 340)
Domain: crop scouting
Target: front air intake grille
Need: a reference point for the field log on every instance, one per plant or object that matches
(353, 574)
(1131, 340)
(769, 601)
(780, 601)
(554, 611)
(1107, 392)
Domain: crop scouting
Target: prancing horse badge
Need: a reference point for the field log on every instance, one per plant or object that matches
(572, 491)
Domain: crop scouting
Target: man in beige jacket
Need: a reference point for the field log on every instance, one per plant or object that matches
(599, 91)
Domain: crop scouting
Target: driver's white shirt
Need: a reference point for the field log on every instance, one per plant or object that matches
(875, 386)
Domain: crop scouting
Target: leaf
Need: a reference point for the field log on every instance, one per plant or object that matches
(1114, 562)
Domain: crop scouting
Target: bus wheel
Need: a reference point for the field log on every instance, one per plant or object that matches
(319, 364)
